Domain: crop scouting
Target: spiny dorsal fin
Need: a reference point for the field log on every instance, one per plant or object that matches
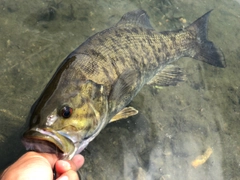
(135, 18)
(124, 113)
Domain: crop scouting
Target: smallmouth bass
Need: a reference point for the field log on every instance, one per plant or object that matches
(95, 83)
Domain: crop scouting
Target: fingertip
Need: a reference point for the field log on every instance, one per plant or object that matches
(78, 160)
(62, 166)
(69, 175)
(62, 178)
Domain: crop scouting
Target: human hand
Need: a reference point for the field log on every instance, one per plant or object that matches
(39, 166)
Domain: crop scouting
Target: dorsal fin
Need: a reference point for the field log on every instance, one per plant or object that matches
(135, 18)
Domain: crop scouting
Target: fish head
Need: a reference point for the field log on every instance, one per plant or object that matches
(65, 120)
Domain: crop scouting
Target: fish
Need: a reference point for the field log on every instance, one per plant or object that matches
(94, 84)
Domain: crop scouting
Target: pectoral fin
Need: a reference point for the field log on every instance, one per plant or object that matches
(169, 76)
(124, 89)
(124, 113)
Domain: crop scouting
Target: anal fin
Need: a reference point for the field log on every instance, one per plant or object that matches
(124, 113)
(169, 76)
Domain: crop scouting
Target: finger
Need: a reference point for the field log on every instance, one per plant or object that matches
(43, 157)
(30, 164)
(69, 175)
(51, 158)
(78, 160)
(62, 166)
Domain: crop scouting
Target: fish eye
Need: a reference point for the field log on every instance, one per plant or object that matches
(66, 111)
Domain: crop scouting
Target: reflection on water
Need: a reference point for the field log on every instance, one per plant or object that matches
(175, 124)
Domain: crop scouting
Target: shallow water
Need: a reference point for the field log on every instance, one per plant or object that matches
(174, 125)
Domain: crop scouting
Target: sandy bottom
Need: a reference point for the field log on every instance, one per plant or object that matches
(190, 131)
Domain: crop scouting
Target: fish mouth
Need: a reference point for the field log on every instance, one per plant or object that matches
(48, 141)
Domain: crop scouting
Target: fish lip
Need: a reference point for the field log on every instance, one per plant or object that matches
(47, 140)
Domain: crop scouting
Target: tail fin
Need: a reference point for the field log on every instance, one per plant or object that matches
(205, 50)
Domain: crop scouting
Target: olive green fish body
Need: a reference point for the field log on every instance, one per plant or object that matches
(96, 82)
